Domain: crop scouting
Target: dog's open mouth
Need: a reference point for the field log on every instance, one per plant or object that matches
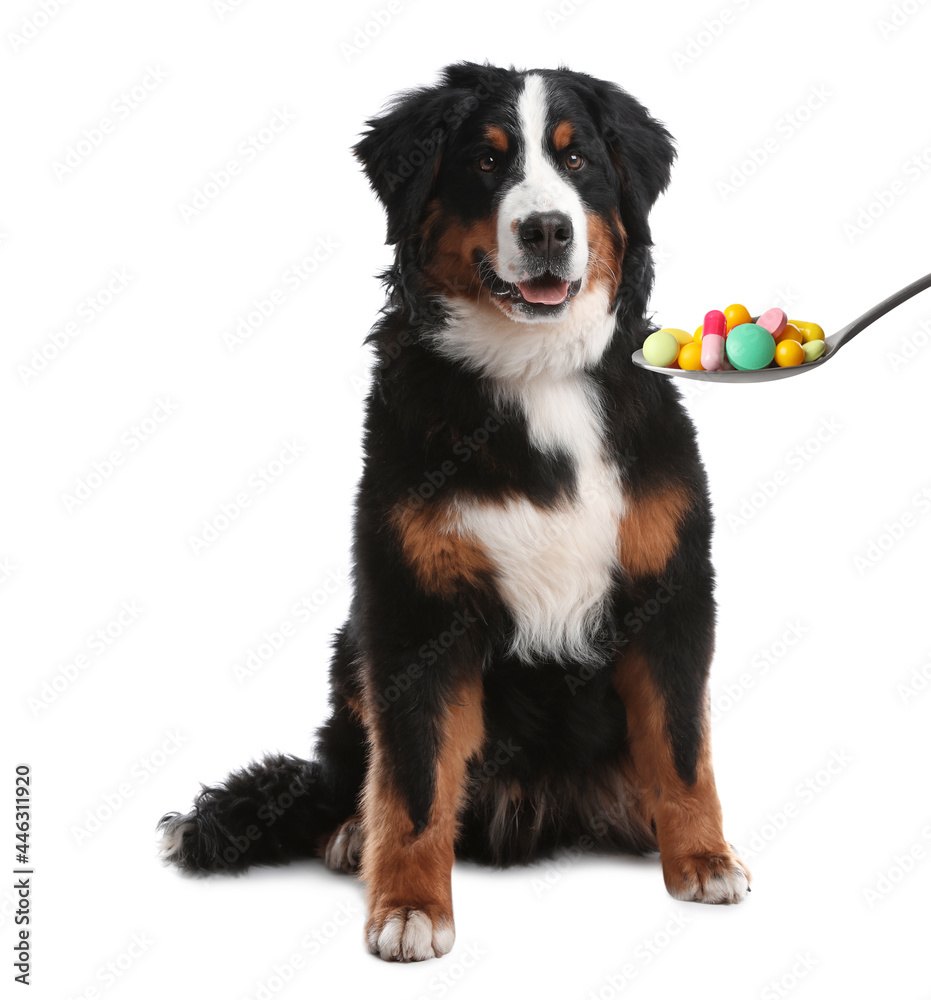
(546, 289)
(541, 293)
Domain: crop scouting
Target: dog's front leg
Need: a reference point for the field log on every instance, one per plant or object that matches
(420, 739)
(670, 768)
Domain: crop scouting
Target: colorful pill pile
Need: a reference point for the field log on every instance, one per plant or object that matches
(732, 339)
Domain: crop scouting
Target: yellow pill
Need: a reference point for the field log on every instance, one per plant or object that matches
(683, 336)
(809, 331)
(789, 353)
(791, 332)
(697, 335)
(690, 357)
(736, 314)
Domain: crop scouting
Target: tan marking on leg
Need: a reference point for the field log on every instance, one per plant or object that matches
(698, 863)
(443, 560)
(562, 135)
(497, 137)
(648, 533)
(408, 874)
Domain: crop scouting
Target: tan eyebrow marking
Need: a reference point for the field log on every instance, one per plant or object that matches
(497, 137)
(562, 135)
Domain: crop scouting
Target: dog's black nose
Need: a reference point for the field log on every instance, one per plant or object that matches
(546, 234)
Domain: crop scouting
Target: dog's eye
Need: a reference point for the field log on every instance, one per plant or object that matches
(487, 163)
(574, 161)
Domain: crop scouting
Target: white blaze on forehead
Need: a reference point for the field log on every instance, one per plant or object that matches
(541, 188)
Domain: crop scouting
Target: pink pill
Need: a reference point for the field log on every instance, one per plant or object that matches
(773, 320)
(715, 324)
(712, 351)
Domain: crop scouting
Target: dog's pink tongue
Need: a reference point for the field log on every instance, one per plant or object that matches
(549, 293)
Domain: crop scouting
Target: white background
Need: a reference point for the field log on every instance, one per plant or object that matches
(809, 475)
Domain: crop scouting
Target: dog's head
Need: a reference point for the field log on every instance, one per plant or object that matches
(521, 192)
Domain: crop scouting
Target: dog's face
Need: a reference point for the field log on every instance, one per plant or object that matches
(519, 192)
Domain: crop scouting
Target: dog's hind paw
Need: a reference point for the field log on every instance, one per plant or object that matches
(174, 827)
(344, 848)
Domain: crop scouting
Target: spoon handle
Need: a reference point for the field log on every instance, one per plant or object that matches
(850, 331)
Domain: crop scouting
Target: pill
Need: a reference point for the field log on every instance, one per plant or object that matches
(789, 353)
(809, 331)
(712, 353)
(660, 349)
(690, 356)
(682, 336)
(749, 347)
(814, 349)
(773, 320)
(790, 332)
(697, 335)
(712, 341)
(737, 314)
(715, 324)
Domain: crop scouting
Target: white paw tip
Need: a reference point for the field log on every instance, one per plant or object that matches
(345, 848)
(715, 880)
(411, 937)
(170, 843)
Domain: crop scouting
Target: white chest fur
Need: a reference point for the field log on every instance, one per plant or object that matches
(555, 566)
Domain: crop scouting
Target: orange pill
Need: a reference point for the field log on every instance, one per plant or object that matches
(789, 353)
(791, 332)
(736, 314)
(690, 357)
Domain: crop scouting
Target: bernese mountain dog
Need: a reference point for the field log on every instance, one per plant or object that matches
(524, 667)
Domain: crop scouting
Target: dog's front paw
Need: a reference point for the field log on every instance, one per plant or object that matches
(712, 877)
(410, 934)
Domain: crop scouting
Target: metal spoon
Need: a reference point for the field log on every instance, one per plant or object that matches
(834, 344)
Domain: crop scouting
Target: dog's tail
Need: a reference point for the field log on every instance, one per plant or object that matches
(268, 813)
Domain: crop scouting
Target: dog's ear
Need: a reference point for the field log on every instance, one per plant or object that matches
(641, 150)
(402, 149)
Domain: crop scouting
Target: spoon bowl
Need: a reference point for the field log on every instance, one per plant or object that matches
(832, 345)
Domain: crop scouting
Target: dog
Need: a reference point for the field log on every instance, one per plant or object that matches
(525, 663)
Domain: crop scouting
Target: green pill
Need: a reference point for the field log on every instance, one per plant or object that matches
(813, 349)
(749, 347)
(660, 349)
